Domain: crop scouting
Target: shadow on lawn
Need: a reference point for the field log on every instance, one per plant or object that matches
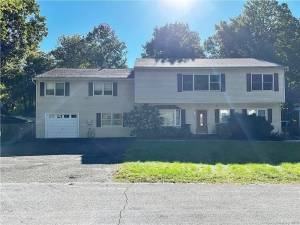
(116, 150)
(93, 151)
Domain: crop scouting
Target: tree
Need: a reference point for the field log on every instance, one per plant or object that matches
(22, 29)
(71, 52)
(100, 48)
(20, 89)
(265, 30)
(173, 41)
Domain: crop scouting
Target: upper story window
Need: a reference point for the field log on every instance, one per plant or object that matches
(261, 82)
(103, 88)
(187, 83)
(171, 117)
(201, 82)
(214, 82)
(56, 88)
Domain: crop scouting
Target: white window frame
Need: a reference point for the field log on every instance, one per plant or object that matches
(209, 75)
(175, 111)
(262, 81)
(209, 82)
(55, 82)
(268, 82)
(102, 84)
(256, 112)
(220, 115)
(111, 120)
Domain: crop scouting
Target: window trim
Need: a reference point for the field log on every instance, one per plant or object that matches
(256, 112)
(55, 82)
(111, 120)
(102, 84)
(209, 82)
(262, 81)
(175, 118)
(220, 117)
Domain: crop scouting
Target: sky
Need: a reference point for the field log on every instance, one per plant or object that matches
(134, 21)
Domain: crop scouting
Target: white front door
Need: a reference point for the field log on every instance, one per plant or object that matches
(61, 125)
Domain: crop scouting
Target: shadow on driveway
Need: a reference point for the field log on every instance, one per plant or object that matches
(93, 151)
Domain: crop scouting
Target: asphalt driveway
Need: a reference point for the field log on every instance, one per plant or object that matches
(53, 169)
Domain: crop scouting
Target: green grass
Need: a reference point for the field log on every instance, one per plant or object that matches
(211, 162)
(204, 173)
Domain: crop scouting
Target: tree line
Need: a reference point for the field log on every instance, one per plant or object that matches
(265, 29)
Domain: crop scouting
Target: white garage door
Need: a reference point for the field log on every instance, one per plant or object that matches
(61, 125)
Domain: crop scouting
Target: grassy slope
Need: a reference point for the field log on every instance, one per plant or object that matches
(211, 162)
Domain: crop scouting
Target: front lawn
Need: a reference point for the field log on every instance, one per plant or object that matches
(211, 162)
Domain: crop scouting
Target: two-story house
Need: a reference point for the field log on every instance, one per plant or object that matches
(199, 92)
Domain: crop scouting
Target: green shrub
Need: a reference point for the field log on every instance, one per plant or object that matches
(245, 127)
(144, 120)
(223, 130)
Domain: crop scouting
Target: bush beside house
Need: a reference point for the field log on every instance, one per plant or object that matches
(146, 122)
(241, 126)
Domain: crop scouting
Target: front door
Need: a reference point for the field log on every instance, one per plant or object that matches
(201, 119)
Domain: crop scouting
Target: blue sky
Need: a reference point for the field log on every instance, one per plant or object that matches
(134, 21)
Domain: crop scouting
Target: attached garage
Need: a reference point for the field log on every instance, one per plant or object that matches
(61, 125)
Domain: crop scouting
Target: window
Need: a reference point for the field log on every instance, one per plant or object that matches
(171, 117)
(262, 82)
(101, 88)
(50, 88)
(224, 115)
(59, 89)
(55, 89)
(268, 82)
(106, 119)
(214, 82)
(256, 82)
(201, 82)
(117, 119)
(74, 116)
(66, 116)
(111, 119)
(98, 88)
(251, 112)
(107, 88)
(187, 83)
(257, 112)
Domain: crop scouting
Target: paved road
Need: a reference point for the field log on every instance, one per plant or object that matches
(138, 204)
(60, 189)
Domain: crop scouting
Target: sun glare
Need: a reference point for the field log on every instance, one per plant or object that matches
(180, 4)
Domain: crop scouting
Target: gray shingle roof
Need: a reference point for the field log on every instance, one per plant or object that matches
(90, 73)
(204, 63)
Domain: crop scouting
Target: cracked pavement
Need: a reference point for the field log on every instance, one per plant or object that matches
(59, 190)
